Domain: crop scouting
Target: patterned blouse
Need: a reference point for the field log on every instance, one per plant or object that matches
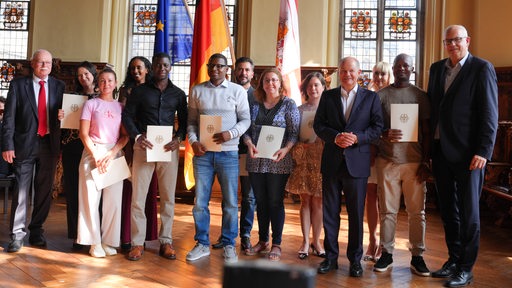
(288, 117)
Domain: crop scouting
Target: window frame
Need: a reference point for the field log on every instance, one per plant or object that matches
(416, 79)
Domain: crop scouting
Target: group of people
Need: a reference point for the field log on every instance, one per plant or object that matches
(457, 123)
(457, 120)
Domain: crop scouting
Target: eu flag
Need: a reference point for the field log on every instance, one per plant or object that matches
(174, 30)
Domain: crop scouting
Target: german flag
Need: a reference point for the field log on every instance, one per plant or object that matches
(211, 35)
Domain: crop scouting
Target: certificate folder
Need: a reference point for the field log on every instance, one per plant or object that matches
(117, 171)
(269, 141)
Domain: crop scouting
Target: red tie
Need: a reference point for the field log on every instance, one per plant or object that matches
(41, 111)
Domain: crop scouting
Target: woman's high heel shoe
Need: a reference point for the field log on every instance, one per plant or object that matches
(303, 255)
(316, 252)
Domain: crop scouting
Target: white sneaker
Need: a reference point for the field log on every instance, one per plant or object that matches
(109, 250)
(199, 251)
(97, 251)
(230, 255)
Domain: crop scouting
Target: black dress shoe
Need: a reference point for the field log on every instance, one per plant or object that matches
(448, 270)
(327, 265)
(461, 279)
(356, 270)
(15, 246)
(37, 240)
(245, 243)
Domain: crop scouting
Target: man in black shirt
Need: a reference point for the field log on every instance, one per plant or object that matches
(154, 103)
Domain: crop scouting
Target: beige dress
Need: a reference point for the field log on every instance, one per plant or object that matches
(306, 177)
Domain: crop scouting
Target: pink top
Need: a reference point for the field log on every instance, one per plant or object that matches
(105, 117)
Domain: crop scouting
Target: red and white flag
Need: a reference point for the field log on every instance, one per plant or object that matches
(288, 49)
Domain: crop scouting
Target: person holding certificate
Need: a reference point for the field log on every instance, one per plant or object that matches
(306, 179)
(155, 103)
(402, 165)
(210, 100)
(269, 176)
(72, 149)
(103, 137)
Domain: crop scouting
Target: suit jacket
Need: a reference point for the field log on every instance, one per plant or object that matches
(467, 113)
(365, 121)
(19, 131)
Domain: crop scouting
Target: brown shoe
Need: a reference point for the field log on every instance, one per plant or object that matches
(136, 252)
(167, 251)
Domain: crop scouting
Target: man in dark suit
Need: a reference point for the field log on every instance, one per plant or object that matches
(464, 104)
(31, 141)
(348, 119)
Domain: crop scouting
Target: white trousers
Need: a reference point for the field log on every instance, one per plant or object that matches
(90, 230)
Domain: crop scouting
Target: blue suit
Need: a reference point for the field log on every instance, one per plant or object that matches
(467, 119)
(19, 133)
(346, 169)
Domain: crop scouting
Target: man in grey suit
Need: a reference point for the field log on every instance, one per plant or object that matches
(463, 94)
(31, 141)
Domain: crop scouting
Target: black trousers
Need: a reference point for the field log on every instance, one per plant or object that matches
(354, 190)
(39, 171)
(458, 191)
(71, 155)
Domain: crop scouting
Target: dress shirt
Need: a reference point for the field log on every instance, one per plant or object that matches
(147, 105)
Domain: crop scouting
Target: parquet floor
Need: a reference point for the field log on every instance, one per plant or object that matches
(59, 266)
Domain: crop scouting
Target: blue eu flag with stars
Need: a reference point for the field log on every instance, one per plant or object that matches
(174, 30)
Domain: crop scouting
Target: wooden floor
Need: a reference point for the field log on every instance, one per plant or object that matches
(58, 266)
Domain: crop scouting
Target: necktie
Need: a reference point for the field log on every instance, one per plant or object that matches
(42, 128)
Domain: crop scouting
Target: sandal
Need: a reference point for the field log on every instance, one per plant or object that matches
(275, 253)
(374, 257)
(258, 248)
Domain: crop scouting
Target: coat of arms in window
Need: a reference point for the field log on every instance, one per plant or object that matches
(400, 25)
(146, 19)
(13, 16)
(360, 24)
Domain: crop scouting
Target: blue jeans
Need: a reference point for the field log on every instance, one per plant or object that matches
(248, 205)
(225, 165)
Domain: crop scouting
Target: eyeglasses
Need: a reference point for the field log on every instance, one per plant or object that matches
(218, 66)
(455, 40)
(271, 80)
(41, 63)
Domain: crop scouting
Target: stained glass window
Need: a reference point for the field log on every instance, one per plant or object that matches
(14, 25)
(143, 36)
(378, 30)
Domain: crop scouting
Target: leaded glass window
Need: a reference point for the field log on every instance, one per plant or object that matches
(378, 30)
(14, 25)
